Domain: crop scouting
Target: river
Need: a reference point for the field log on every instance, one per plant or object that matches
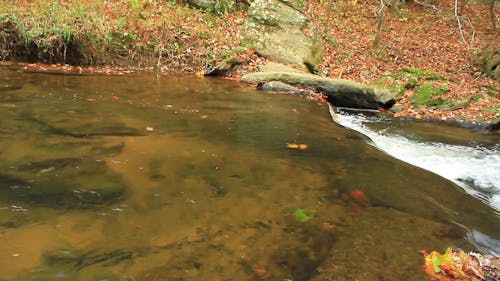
(148, 176)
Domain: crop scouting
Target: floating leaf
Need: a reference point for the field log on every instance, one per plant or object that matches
(303, 215)
(301, 146)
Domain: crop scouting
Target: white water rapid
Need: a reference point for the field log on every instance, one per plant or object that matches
(475, 169)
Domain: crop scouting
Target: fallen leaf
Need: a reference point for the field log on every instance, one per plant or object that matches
(358, 196)
(302, 215)
(297, 146)
(262, 273)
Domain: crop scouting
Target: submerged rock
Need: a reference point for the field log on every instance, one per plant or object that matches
(79, 261)
(382, 248)
(63, 183)
(84, 128)
(279, 30)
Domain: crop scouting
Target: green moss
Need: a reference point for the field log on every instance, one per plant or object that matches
(411, 77)
(454, 104)
(425, 74)
(427, 95)
(411, 82)
(493, 109)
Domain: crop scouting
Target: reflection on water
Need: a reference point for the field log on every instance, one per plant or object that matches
(148, 177)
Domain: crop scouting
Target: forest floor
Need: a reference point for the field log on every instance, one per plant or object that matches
(118, 36)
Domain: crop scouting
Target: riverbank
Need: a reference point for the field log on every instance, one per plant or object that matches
(119, 36)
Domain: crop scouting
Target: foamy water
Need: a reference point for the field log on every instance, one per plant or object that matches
(475, 169)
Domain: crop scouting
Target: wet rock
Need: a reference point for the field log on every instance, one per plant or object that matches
(279, 30)
(339, 92)
(278, 86)
(495, 127)
(223, 67)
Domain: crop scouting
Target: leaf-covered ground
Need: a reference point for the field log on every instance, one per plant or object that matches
(175, 38)
(420, 37)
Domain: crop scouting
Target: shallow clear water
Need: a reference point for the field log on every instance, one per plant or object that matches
(153, 177)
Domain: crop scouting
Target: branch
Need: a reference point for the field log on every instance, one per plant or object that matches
(460, 24)
(327, 23)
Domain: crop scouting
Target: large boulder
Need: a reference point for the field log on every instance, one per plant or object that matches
(280, 31)
(339, 92)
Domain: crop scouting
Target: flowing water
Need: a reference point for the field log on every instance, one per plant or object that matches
(471, 163)
(154, 177)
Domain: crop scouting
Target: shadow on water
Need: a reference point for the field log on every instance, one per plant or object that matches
(153, 177)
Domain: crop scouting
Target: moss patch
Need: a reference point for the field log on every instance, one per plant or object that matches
(427, 95)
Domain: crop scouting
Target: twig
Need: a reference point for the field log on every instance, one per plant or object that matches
(327, 23)
(459, 23)
(463, 5)
(473, 35)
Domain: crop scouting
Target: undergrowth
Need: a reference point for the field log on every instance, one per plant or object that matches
(120, 32)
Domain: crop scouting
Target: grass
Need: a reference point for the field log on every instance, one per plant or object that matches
(124, 32)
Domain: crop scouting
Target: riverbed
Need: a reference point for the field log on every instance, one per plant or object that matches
(147, 176)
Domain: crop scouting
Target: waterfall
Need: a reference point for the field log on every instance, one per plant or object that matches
(476, 169)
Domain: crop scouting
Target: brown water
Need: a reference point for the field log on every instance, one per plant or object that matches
(153, 177)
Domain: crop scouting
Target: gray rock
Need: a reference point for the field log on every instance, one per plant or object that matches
(280, 31)
(277, 67)
(280, 87)
(340, 92)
